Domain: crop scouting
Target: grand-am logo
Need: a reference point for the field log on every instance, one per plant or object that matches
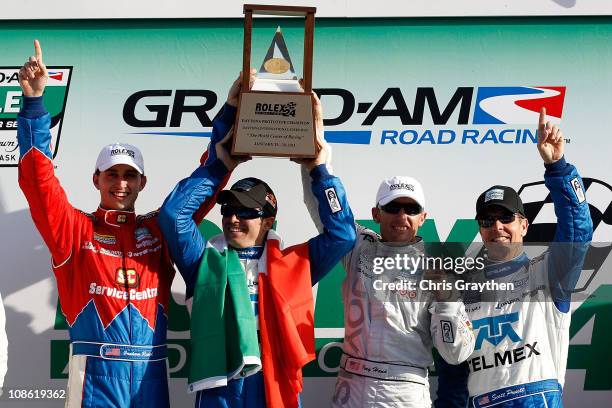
(500, 115)
(514, 106)
(494, 329)
(56, 93)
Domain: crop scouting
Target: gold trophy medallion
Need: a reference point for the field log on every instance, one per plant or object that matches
(277, 65)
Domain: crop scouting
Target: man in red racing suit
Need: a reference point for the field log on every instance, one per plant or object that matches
(112, 267)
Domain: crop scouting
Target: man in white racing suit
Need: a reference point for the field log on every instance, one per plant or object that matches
(522, 333)
(389, 334)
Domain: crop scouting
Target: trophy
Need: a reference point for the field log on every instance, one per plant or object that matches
(276, 117)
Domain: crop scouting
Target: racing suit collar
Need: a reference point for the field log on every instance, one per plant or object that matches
(116, 218)
(499, 269)
(254, 252)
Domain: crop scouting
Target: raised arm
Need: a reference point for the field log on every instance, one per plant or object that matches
(183, 209)
(337, 226)
(574, 225)
(209, 156)
(574, 222)
(51, 212)
(176, 217)
(305, 169)
(338, 236)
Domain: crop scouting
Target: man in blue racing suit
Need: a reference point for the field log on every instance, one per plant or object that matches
(249, 209)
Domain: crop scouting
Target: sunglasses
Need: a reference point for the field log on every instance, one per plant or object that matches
(241, 212)
(488, 222)
(409, 208)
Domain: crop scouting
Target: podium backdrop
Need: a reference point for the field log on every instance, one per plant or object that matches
(451, 102)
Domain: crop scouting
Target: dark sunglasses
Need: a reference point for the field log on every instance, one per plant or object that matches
(241, 212)
(409, 208)
(488, 222)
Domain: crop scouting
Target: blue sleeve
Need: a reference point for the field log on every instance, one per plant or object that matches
(452, 384)
(574, 230)
(185, 242)
(33, 127)
(571, 208)
(220, 126)
(33, 107)
(338, 236)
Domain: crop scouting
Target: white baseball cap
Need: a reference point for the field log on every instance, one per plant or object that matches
(120, 153)
(400, 186)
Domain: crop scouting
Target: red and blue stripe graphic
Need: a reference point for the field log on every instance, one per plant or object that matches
(517, 105)
(58, 76)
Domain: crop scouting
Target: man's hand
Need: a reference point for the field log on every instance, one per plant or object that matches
(438, 278)
(551, 144)
(33, 75)
(223, 149)
(234, 93)
(321, 144)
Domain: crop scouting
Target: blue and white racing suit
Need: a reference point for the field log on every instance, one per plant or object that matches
(522, 334)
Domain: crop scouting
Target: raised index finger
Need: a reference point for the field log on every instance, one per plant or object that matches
(542, 121)
(37, 50)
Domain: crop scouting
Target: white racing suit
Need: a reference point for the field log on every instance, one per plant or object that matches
(389, 334)
(522, 337)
